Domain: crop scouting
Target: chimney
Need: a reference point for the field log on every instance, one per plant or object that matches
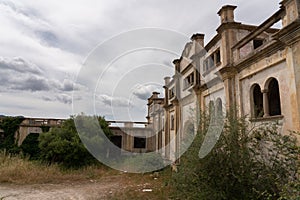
(167, 80)
(155, 94)
(226, 13)
(176, 63)
(292, 11)
(198, 37)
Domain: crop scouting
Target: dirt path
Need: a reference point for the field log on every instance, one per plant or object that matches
(92, 189)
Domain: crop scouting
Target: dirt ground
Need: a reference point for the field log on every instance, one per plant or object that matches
(91, 189)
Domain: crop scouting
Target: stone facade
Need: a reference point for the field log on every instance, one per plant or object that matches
(253, 68)
(34, 126)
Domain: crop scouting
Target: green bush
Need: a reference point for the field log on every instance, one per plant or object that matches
(30, 146)
(63, 145)
(246, 163)
(10, 125)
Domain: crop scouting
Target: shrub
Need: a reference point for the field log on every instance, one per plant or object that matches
(245, 163)
(30, 146)
(63, 145)
(10, 125)
(145, 162)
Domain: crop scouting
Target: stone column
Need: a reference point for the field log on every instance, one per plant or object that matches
(266, 103)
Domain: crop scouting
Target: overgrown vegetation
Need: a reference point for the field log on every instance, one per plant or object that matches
(246, 163)
(63, 145)
(19, 170)
(30, 146)
(60, 145)
(10, 125)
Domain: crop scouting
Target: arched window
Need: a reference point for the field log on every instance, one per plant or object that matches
(257, 101)
(274, 98)
(219, 108)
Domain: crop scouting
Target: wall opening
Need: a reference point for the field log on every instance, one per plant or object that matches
(172, 122)
(139, 142)
(117, 140)
(258, 109)
(274, 98)
(257, 43)
(219, 108)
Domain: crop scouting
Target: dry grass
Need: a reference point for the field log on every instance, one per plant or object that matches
(15, 169)
(137, 182)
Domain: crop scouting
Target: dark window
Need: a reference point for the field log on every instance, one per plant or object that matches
(189, 80)
(213, 60)
(257, 102)
(171, 92)
(139, 142)
(257, 43)
(117, 140)
(274, 98)
(205, 65)
(172, 122)
(219, 108)
(218, 57)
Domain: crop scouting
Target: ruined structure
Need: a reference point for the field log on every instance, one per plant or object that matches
(134, 137)
(253, 68)
(35, 126)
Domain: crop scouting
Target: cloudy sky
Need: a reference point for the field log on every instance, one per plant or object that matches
(103, 52)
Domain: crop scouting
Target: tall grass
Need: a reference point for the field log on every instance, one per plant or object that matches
(19, 170)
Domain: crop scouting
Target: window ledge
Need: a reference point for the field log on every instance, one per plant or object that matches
(188, 87)
(209, 70)
(269, 118)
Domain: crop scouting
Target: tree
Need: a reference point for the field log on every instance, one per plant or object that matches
(63, 145)
(10, 125)
(30, 146)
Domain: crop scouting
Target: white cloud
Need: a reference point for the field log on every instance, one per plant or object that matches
(144, 92)
(43, 43)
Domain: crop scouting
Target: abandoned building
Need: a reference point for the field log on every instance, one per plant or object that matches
(253, 68)
(133, 137)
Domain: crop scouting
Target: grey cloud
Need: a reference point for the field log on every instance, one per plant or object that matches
(67, 85)
(63, 98)
(32, 84)
(114, 101)
(19, 74)
(47, 98)
(20, 65)
(48, 38)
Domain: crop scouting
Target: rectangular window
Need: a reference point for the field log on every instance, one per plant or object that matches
(218, 57)
(213, 60)
(189, 80)
(205, 65)
(257, 43)
(171, 92)
(139, 142)
(172, 122)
